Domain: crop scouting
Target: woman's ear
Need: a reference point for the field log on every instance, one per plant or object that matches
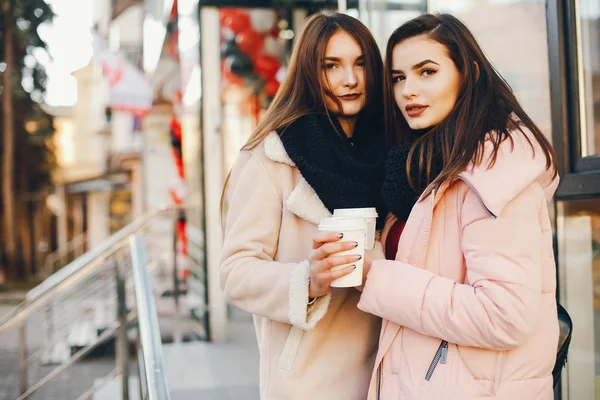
(476, 71)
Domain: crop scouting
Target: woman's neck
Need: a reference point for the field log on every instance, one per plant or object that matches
(347, 125)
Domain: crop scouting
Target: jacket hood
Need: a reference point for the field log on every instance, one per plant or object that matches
(518, 165)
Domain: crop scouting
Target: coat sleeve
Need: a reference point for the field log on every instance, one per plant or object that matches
(249, 277)
(496, 307)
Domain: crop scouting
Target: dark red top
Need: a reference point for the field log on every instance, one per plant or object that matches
(393, 237)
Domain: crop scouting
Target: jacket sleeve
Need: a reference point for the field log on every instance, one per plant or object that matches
(496, 307)
(249, 276)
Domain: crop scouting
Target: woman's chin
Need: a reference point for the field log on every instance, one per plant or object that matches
(419, 125)
(351, 112)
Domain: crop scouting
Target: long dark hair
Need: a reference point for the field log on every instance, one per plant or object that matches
(485, 103)
(302, 92)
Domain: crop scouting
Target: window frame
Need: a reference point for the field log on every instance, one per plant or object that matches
(580, 175)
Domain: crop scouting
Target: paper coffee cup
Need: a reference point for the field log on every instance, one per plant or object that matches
(354, 230)
(369, 214)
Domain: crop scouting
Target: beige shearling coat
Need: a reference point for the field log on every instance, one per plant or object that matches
(322, 351)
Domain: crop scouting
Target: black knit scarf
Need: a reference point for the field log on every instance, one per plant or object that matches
(397, 193)
(345, 173)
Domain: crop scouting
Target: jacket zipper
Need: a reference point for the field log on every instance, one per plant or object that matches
(487, 210)
(379, 382)
(440, 357)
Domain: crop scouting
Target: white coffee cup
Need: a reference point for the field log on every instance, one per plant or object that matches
(369, 214)
(354, 230)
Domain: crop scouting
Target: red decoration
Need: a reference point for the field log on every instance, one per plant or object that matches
(272, 87)
(224, 13)
(249, 42)
(175, 127)
(229, 78)
(237, 22)
(266, 66)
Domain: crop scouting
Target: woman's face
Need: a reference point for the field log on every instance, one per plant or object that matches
(344, 74)
(425, 81)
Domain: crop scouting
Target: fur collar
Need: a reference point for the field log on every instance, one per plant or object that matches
(303, 201)
(275, 151)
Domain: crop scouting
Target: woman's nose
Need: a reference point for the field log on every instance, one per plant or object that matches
(409, 88)
(350, 80)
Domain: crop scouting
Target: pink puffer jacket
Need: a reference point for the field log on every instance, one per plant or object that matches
(469, 303)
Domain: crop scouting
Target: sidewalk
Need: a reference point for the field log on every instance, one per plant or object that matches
(208, 371)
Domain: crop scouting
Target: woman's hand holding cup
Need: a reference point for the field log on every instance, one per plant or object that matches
(323, 258)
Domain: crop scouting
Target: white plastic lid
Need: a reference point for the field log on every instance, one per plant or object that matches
(340, 224)
(368, 212)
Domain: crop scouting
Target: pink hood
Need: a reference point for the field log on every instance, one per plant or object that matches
(517, 166)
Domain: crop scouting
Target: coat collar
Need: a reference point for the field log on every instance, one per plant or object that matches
(303, 201)
(517, 166)
(275, 150)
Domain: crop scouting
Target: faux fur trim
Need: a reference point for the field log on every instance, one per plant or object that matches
(301, 314)
(275, 151)
(306, 204)
(303, 201)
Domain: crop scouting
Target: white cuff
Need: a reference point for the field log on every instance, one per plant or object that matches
(303, 315)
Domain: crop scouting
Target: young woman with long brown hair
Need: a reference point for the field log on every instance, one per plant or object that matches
(320, 146)
(468, 298)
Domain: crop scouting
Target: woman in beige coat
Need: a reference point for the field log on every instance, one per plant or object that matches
(320, 147)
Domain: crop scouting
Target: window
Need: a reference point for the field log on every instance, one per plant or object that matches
(587, 13)
(578, 228)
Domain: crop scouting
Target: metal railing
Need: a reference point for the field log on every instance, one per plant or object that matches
(101, 303)
(62, 256)
(153, 371)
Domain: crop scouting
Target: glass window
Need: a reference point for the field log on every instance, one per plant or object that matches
(578, 226)
(384, 16)
(588, 35)
(513, 34)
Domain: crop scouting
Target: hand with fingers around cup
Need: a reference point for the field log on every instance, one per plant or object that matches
(324, 258)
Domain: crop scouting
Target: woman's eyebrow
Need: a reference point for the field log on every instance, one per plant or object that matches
(419, 65)
(333, 58)
(416, 66)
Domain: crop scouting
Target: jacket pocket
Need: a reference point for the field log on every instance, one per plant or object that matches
(485, 376)
(290, 349)
(439, 357)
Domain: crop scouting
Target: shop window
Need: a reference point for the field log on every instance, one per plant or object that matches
(578, 226)
(588, 56)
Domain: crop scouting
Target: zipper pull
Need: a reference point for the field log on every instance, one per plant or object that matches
(444, 356)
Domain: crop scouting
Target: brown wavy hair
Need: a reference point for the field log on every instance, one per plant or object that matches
(485, 103)
(303, 92)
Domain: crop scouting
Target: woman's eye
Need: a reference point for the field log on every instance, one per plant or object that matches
(360, 64)
(428, 72)
(396, 79)
(330, 66)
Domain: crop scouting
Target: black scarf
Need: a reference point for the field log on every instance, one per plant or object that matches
(398, 195)
(345, 173)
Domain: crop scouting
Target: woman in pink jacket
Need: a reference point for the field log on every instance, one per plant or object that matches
(468, 300)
